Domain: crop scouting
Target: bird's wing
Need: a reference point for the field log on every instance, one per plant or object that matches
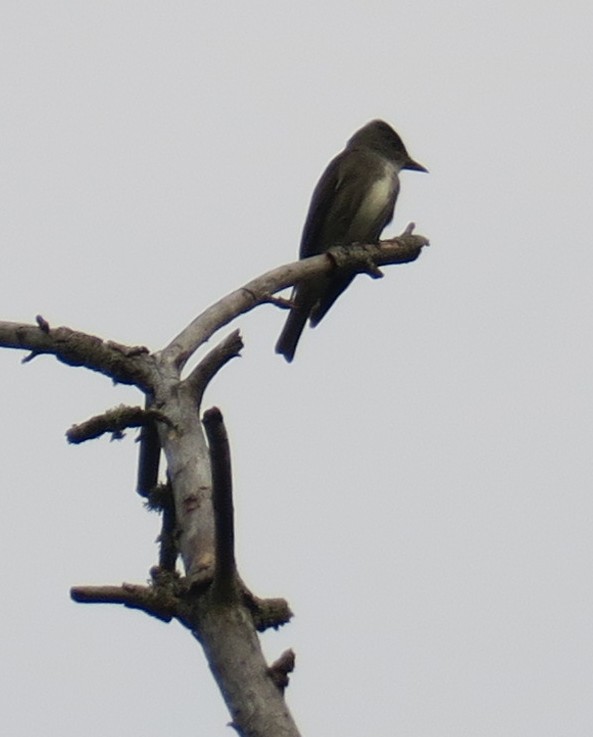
(334, 201)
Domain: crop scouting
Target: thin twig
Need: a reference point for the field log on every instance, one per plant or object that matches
(42, 322)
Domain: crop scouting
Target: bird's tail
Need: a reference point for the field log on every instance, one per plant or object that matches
(329, 296)
(291, 332)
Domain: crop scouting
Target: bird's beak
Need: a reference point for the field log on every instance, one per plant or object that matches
(411, 164)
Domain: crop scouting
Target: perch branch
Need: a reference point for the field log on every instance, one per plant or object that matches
(399, 250)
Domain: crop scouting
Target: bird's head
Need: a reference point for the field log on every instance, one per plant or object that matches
(380, 137)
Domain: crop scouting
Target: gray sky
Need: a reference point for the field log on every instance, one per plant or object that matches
(418, 482)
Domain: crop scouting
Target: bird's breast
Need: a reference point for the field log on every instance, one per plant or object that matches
(376, 208)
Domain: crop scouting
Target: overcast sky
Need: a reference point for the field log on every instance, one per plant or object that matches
(418, 482)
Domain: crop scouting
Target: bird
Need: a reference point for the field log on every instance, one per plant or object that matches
(352, 203)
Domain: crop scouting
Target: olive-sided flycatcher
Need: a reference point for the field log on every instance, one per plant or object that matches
(352, 203)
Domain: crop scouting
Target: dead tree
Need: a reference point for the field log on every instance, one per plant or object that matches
(195, 500)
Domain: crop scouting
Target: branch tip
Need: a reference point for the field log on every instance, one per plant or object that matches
(30, 356)
(267, 613)
(156, 601)
(228, 348)
(280, 669)
(42, 323)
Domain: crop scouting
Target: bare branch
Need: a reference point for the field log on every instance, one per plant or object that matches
(155, 601)
(114, 421)
(212, 362)
(280, 669)
(399, 250)
(123, 364)
(149, 456)
(161, 499)
(267, 613)
(225, 572)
